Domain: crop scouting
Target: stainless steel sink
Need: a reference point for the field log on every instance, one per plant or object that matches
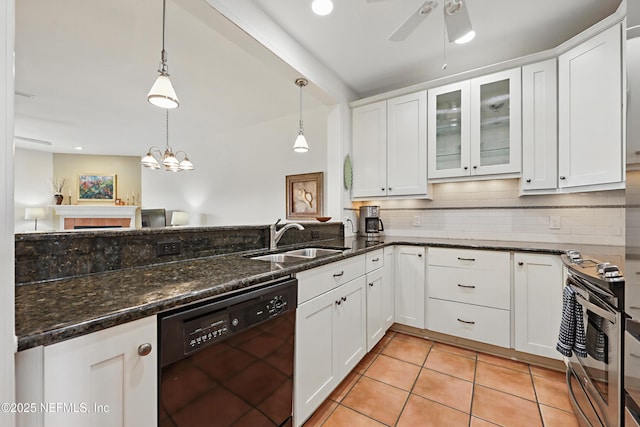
(298, 255)
(279, 258)
(313, 252)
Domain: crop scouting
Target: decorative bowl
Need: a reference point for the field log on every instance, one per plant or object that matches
(323, 218)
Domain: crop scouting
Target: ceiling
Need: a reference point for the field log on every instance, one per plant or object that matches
(88, 64)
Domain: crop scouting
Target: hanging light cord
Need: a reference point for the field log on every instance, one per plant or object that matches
(301, 127)
(167, 131)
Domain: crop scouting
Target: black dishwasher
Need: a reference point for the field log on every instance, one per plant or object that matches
(229, 361)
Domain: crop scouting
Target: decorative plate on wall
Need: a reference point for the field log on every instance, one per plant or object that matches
(348, 173)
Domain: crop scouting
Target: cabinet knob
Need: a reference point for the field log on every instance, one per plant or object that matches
(371, 284)
(389, 188)
(520, 263)
(144, 349)
(466, 167)
(382, 189)
(563, 177)
(529, 180)
(475, 167)
(419, 255)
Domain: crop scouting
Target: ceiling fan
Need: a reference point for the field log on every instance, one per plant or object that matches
(456, 19)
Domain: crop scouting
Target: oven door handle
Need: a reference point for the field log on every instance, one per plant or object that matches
(611, 317)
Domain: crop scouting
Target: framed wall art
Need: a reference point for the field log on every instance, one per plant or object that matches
(304, 195)
(97, 187)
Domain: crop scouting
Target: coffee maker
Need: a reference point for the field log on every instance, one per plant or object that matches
(370, 224)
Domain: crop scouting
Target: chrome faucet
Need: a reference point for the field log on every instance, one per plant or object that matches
(275, 236)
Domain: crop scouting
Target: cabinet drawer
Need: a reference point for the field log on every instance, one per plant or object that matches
(469, 258)
(483, 324)
(374, 260)
(317, 281)
(473, 286)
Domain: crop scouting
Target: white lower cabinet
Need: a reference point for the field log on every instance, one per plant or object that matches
(101, 379)
(538, 303)
(470, 294)
(330, 341)
(410, 285)
(375, 302)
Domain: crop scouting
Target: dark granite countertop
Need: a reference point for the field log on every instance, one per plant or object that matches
(53, 311)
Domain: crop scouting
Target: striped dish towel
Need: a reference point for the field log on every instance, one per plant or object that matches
(571, 337)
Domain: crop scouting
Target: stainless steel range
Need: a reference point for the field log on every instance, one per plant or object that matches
(594, 368)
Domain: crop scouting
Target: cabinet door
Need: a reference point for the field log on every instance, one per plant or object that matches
(448, 129)
(539, 126)
(590, 112)
(410, 286)
(369, 144)
(633, 100)
(496, 123)
(316, 374)
(103, 373)
(538, 303)
(375, 323)
(350, 328)
(388, 285)
(407, 145)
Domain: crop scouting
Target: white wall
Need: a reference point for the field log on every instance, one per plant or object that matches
(33, 175)
(7, 242)
(240, 175)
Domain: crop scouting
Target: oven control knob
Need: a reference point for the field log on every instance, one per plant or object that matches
(278, 304)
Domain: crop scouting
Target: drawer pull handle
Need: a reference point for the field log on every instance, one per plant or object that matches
(344, 298)
(466, 259)
(144, 349)
(338, 302)
(466, 286)
(375, 260)
(338, 274)
(371, 284)
(466, 321)
(633, 307)
(520, 263)
(634, 355)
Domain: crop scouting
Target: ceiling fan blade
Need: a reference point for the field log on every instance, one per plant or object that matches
(408, 26)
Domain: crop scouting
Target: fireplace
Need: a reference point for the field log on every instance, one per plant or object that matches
(74, 217)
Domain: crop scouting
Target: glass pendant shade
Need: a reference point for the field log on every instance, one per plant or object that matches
(162, 93)
(186, 165)
(150, 162)
(301, 146)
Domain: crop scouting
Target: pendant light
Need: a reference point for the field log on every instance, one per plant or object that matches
(156, 159)
(301, 145)
(162, 93)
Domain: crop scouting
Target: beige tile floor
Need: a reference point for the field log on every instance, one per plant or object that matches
(409, 382)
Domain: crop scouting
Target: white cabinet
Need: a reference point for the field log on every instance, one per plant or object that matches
(590, 112)
(377, 294)
(390, 147)
(103, 378)
(538, 284)
(633, 100)
(539, 127)
(469, 294)
(330, 334)
(410, 285)
(474, 127)
(388, 288)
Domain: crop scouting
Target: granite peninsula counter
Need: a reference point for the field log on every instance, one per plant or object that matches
(50, 311)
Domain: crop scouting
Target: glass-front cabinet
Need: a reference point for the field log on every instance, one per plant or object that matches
(474, 127)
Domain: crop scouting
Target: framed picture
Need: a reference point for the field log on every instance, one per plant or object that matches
(95, 187)
(304, 195)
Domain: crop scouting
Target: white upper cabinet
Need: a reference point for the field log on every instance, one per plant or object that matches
(590, 112)
(369, 127)
(475, 127)
(390, 147)
(633, 101)
(539, 126)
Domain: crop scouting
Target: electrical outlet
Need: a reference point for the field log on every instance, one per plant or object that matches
(416, 221)
(168, 248)
(554, 222)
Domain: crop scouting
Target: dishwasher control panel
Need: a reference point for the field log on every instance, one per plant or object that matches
(204, 330)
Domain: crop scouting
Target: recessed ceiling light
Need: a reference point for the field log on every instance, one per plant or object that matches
(79, 148)
(322, 7)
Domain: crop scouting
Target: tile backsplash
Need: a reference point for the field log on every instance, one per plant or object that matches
(494, 210)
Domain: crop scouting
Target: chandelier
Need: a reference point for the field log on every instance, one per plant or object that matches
(172, 162)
